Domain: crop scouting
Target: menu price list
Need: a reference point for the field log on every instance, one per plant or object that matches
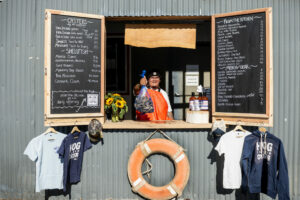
(241, 63)
(75, 64)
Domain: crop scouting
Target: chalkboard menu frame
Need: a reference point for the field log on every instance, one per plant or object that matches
(264, 118)
(96, 98)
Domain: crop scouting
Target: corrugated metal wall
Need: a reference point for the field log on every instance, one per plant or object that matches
(104, 173)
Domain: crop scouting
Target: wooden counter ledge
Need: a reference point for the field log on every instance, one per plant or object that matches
(174, 124)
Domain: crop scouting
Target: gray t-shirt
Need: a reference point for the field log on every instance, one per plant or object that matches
(49, 167)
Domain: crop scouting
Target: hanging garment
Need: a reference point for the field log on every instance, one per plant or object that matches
(231, 145)
(160, 108)
(264, 166)
(49, 168)
(71, 150)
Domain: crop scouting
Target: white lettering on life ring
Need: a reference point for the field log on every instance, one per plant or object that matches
(179, 158)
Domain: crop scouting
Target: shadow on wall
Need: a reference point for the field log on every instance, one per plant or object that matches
(219, 160)
(56, 193)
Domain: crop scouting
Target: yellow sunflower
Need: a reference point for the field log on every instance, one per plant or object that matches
(109, 101)
(116, 94)
(123, 100)
(119, 104)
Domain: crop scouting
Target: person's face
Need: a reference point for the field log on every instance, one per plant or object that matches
(154, 81)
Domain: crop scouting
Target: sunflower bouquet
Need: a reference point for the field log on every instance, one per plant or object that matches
(116, 106)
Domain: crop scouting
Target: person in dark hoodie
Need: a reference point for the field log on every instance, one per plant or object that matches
(264, 166)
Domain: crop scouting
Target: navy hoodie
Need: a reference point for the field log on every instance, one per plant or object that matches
(264, 166)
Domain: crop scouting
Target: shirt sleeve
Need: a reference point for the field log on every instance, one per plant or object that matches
(31, 150)
(282, 177)
(87, 143)
(220, 146)
(165, 95)
(246, 162)
(61, 150)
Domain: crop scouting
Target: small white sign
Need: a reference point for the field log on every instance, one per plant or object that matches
(191, 80)
(92, 99)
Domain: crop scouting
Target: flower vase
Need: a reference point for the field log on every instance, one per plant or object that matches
(115, 117)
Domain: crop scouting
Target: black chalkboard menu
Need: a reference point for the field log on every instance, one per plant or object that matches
(242, 67)
(240, 63)
(75, 64)
(74, 60)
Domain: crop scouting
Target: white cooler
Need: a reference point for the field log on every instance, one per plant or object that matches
(197, 117)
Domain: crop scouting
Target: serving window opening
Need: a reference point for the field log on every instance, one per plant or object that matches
(181, 70)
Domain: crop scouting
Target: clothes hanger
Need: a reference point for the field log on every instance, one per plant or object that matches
(262, 129)
(239, 127)
(75, 128)
(50, 130)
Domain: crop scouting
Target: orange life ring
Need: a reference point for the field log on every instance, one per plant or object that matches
(176, 154)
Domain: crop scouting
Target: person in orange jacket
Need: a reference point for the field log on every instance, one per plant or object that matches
(161, 102)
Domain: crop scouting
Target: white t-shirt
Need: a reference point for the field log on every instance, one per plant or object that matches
(231, 145)
(49, 167)
(165, 95)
